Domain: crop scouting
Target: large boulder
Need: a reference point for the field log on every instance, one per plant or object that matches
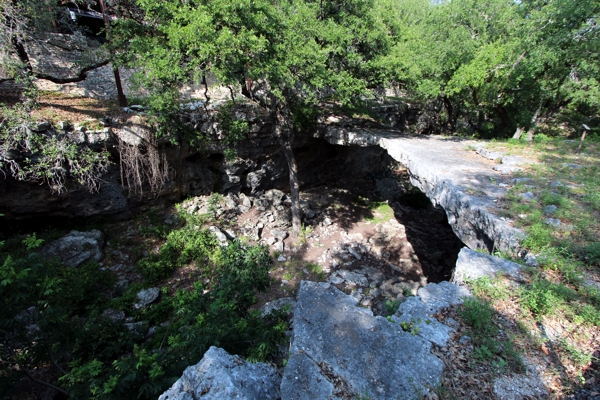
(76, 248)
(472, 265)
(220, 375)
(340, 350)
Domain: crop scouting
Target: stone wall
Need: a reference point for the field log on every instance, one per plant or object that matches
(260, 165)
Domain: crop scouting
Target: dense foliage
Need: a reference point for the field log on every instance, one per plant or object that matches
(494, 63)
(54, 317)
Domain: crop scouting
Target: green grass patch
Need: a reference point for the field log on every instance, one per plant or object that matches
(382, 212)
(479, 315)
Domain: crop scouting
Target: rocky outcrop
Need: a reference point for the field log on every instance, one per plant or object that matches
(258, 167)
(340, 350)
(76, 248)
(220, 375)
(464, 185)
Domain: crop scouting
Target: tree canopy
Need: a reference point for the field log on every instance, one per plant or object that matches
(495, 63)
(288, 55)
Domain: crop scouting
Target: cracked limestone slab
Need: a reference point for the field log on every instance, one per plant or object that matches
(413, 316)
(431, 299)
(358, 353)
(438, 296)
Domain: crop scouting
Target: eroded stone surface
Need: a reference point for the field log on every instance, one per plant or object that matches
(146, 297)
(474, 265)
(220, 375)
(415, 314)
(356, 352)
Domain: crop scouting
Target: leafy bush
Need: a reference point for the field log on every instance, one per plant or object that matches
(98, 358)
(50, 159)
(543, 297)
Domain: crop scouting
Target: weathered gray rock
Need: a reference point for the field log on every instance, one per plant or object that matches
(413, 316)
(474, 265)
(279, 247)
(220, 375)
(41, 126)
(416, 312)
(490, 155)
(527, 196)
(304, 380)
(274, 195)
(374, 275)
(76, 248)
(278, 305)
(115, 315)
(459, 184)
(438, 296)
(352, 278)
(279, 234)
(221, 237)
(521, 180)
(355, 352)
(354, 253)
(554, 222)
(510, 164)
(549, 210)
(64, 125)
(146, 297)
(556, 184)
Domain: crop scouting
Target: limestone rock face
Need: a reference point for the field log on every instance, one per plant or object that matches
(340, 350)
(76, 248)
(220, 375)
(442, 170)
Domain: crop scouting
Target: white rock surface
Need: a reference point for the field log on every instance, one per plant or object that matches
(341, 349)
(220, 376)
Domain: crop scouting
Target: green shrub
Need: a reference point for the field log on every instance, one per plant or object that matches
(478, 314)
(103, 359)
(543, 297)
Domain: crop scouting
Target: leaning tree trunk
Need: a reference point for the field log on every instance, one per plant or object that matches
(285, 134)
(520, 130)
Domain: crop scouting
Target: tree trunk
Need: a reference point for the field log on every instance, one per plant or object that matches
(285, 134)
(294, 185)
(534, 121)
(518, 133)
(450, 111)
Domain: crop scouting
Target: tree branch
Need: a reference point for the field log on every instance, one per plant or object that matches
(521, 57)
(46, 384)
(81, 77)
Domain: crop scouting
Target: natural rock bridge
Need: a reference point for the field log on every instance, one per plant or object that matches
(466, 185)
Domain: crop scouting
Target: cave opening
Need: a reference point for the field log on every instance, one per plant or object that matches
(370, 194)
